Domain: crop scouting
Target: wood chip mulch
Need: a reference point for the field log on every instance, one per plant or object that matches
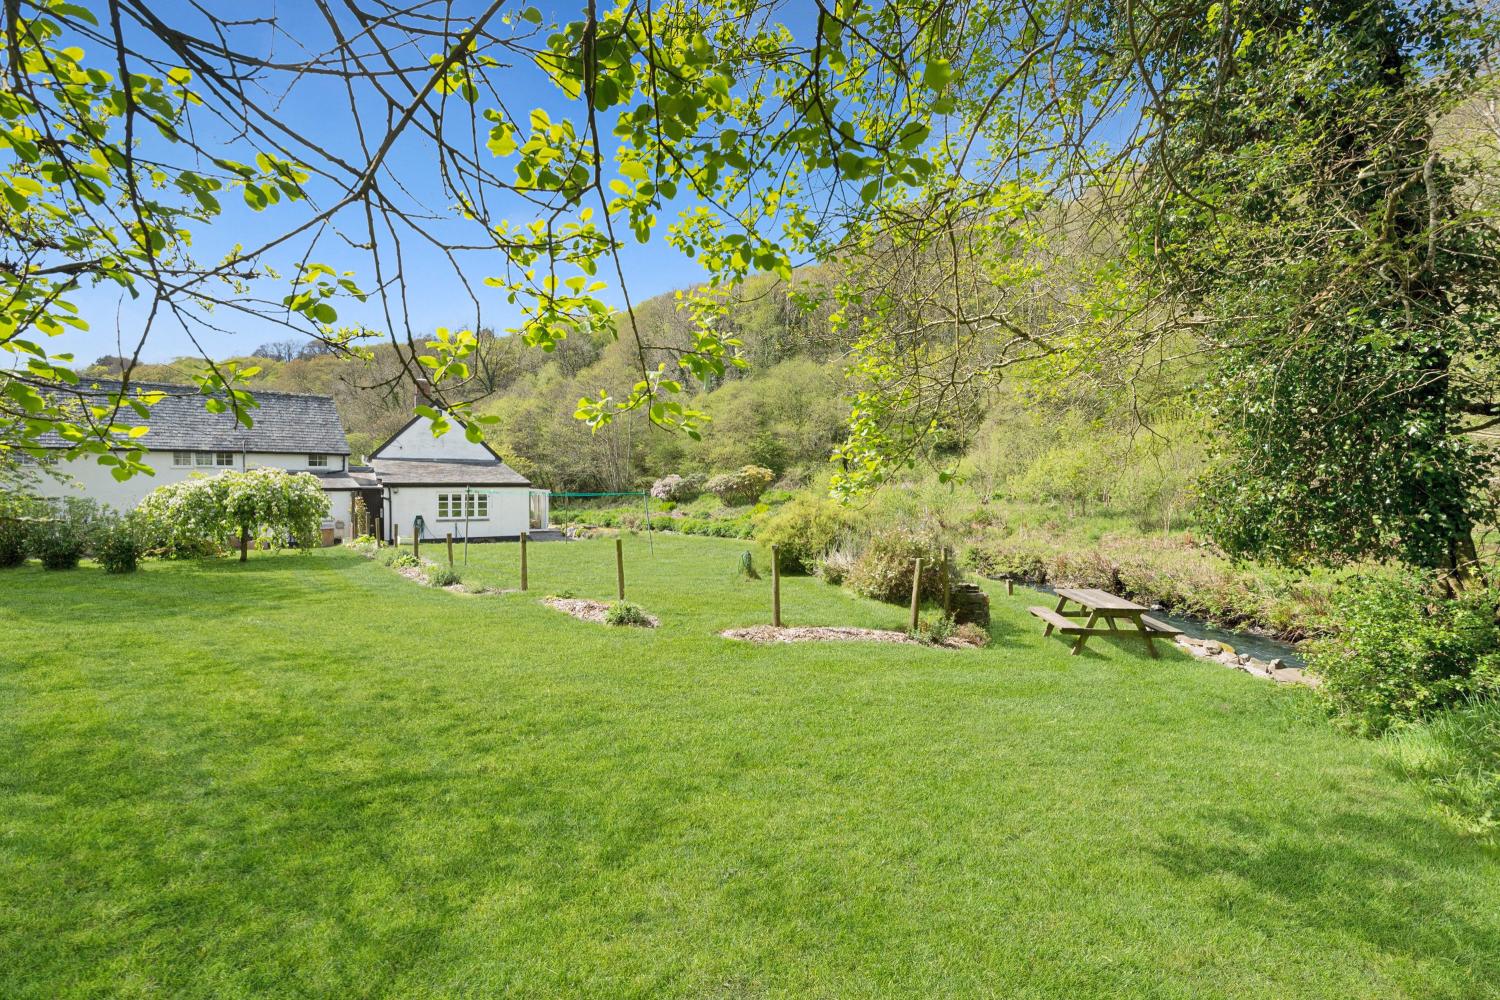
(826, 633)
(588, 611)
(814, 633)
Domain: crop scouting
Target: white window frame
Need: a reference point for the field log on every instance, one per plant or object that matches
(450, 506)
(202, 459)
(317, 461)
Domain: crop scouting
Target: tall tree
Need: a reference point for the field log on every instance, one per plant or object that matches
(1299, 201)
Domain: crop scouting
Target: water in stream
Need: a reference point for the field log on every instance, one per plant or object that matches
(1261, 647)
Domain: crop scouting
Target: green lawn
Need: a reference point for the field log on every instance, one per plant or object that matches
(307, 776)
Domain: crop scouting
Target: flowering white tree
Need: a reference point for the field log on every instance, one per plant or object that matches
(194, 517)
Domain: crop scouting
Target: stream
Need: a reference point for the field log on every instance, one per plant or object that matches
(1261, 647)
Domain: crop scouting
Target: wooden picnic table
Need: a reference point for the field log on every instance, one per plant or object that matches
(1096, 605)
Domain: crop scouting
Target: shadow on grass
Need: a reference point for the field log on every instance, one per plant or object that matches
(1168, 652)
(162, 590)
(1391, 882)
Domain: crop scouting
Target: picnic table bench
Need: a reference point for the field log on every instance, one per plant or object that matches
(1095, 605)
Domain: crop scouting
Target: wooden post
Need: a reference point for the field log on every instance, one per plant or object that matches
(916, 593)
(947, 588)
(416, 542)
(776, 586)
(523, 560)
(620, 569)
(449, 539)
(395, 536)
(244, 545)
(1010, 585)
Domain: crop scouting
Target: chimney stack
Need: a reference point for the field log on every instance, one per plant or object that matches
(421, 392)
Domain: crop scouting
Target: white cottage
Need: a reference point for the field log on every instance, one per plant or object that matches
(437, 486)
(414, 481)
(292, 431)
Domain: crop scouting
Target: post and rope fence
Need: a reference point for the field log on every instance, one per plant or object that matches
(776, 586)
(916, 593)
(947, 587)
(620, 569)
(523, 559)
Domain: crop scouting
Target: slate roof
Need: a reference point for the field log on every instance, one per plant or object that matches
(449, 472)
(364, 477)
(285, 422)
(338, 481)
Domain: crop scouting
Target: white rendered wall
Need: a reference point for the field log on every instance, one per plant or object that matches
(92, 480)
(417, 442)
(509, 513)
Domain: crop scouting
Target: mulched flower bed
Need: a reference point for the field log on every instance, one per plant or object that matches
(589, 611)
(828, 633)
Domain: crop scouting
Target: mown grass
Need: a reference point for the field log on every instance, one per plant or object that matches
(308, 776)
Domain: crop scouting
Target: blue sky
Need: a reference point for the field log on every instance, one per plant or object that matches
(436, 295)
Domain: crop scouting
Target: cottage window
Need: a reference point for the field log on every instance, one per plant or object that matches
(203, 459)
(317, 461)
(451, 506)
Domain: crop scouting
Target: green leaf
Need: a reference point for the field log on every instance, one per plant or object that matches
(937, 74)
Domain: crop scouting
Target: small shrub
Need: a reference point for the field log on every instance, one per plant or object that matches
(742, 487)
(1400, 654)
(56, 548)
(1010, 558)
(396, 559)
(442, 576)
(678, 489)
(625, 613)
(16, 512)
(62, 536)
(1456, 756)
(12, 543)
(985, 517)
(934, 631)
(883, 570)
(836, 564)
(972, 635)
(802, 530)
(118, 545)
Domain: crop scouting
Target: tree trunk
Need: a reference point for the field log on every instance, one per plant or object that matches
(244, 544)
(1462, 573)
